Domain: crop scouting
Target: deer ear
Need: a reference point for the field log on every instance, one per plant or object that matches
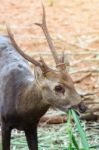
(39, 76)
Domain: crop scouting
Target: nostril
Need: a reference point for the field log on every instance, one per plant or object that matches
(82, 108)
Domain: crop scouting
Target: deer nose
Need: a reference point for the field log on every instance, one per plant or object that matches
(82, 107)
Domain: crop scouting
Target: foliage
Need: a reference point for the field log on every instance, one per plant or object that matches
(67, 136)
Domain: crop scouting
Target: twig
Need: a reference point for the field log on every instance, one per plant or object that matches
(93, 110)
(87, 94)
(86, 59)
(91, 102)
(85, 70)
(82, 78)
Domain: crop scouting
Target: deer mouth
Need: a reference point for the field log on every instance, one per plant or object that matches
(80, 108)
(67, 108)
(64, 108)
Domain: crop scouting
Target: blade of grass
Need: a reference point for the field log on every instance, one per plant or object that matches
(75, 142)
(72, 140)
(81, 131)
(95, 146)
(69, 131)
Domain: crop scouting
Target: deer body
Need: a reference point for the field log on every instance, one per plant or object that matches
(21, 104)
(17, 82)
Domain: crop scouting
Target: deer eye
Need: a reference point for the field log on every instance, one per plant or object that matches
(59, 88)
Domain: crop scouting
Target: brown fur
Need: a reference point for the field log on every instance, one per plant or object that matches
(25, 97)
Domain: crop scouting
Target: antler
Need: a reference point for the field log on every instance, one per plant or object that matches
(59, 61)
(49, 40)
(42, 65)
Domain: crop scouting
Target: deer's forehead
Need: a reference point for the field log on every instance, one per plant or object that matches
(61, 77)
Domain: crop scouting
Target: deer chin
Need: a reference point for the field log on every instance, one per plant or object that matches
(68, 107)
(63, 108)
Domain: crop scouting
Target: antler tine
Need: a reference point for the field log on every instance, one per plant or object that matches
(47, 35)
(44, 66)
(19, 50)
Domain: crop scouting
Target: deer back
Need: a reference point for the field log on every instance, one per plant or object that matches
(15, 77)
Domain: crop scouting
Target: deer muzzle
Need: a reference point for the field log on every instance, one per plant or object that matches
(82, 108)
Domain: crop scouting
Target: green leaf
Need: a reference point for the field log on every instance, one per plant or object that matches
(75, 142)
(72, 140)
(81, 131)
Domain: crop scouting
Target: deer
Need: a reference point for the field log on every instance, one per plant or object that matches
(25, 96)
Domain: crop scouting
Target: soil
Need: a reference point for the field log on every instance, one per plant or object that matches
(73, 25)
(66, 19)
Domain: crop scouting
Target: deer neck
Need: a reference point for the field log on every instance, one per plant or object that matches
(31, 100)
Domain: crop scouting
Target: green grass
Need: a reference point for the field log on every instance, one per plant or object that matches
(68, 136)
(0, 146)
(73, 141)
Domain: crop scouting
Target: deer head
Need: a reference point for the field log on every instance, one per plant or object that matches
(56, 86)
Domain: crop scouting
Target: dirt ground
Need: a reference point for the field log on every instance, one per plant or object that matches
(69, 19)
(74, 27)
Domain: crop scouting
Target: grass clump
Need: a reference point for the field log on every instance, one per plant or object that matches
(66, 136)
(73, 143)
